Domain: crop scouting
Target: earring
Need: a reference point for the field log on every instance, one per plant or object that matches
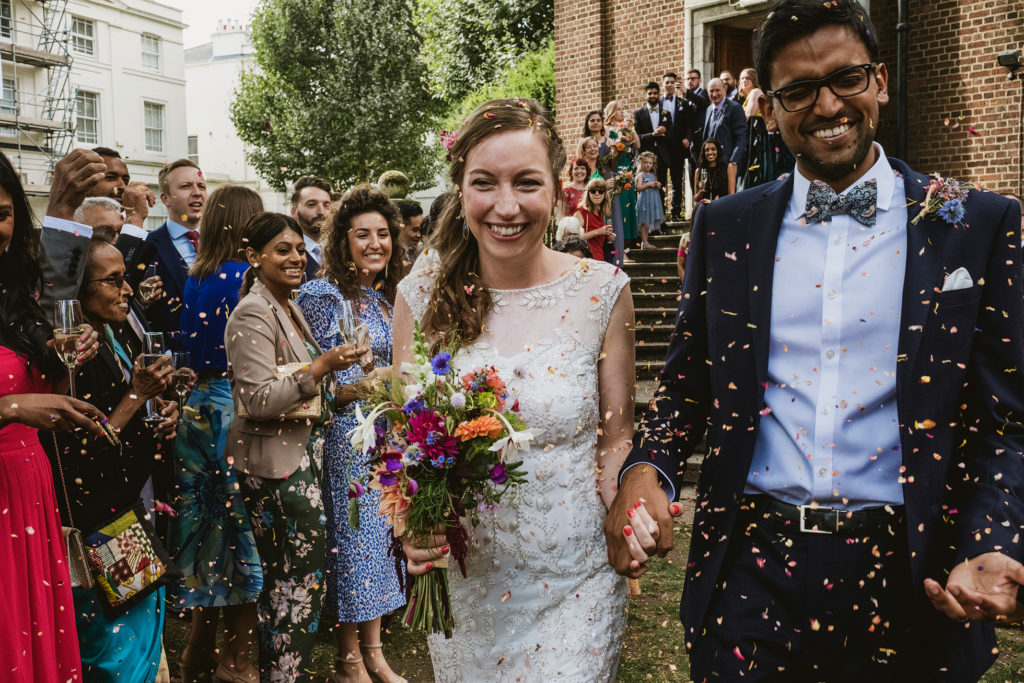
(465, 230)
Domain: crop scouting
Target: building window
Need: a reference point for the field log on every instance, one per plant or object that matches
(5, 19)
(150, 52)
(8, 105)
(83, 36)
(87, 118)
(193, 149)
(154, 124)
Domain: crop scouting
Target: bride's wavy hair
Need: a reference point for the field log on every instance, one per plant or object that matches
(460, 302)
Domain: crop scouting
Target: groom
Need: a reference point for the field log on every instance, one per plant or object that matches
(858, 376)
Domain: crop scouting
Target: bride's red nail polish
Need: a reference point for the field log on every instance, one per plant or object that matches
(631, 513)
(628, 530)
(674, 508)
(444, 550)
(429, 565)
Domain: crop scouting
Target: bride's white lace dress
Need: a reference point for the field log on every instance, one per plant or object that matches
(540, 602)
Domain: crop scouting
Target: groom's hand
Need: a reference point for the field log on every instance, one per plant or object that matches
(638, 524)
(981, 588)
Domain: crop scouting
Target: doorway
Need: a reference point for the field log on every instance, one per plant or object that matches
(733, 51)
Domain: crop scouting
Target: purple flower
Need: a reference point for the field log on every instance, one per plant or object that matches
(414, 405)
(498, 475)
(441, 363)
(411, 487)
(387, 478)
(355, 489)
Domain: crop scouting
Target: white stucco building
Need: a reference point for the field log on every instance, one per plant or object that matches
(211, 76)
(88, 73)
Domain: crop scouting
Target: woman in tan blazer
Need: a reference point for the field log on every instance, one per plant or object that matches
(275, 449)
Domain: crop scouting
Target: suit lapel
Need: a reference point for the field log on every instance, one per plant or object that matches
(169, 255)
(925, 244)
(763, 225)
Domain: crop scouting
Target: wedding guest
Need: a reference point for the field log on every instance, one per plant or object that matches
(652, 127)
(579, 173)
(594, 127)
(750, 93)
(211, 537)
(684, 117)
(713, 178)
(105, 480)
(729, 81)
(767, 156)
(37, 624)
(650, 210)
(592, 214)
(362, 267)
(568, 226)
(621, 135)
(724, 121)
(311, 202)
(589, 149)
(538, 601)
(276, 446)
(577, 246)
(410, 238)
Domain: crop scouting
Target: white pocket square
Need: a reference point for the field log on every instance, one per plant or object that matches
(958, 279)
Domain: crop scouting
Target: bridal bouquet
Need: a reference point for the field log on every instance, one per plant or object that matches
(447, 452)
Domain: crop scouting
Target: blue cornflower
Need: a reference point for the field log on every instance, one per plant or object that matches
(431, 438)
(952, 211)
(414, 405)
(441, 363)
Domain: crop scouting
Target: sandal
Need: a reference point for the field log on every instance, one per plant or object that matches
(339, 664)
(379, 678)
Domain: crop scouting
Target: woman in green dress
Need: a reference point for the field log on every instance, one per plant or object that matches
(622, 144)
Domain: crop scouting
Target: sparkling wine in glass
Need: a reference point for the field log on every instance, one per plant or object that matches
(703, 176)
(67, 328)
(148, 286)
(181, 380)
(347, 321)
(155, 348)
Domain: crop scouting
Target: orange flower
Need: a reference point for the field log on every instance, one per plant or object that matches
(485, 425)
(619, 146)
(628, 186)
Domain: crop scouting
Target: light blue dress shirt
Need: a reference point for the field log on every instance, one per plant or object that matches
(830, 431)
(181, 242)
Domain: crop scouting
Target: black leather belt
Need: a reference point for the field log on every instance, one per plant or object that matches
(825, 520)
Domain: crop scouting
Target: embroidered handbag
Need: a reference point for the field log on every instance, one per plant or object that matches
(78, 566)
(309, 409)
(128, 560)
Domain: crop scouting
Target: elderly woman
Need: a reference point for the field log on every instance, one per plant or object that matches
(362, 267)
(276, 440)
(211, 536)
(105, 478)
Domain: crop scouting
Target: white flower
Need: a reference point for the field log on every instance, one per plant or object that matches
(412, 390)
(457, 400)
(423, 374)
(363, 436)
(513, 443)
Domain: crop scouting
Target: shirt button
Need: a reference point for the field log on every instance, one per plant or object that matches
(837, 239)
(826, 410)
(830, 353)
(832, 294)
(822, 472)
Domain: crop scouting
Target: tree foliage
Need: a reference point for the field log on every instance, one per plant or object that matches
(532, 76)
(469, 43)
(339, 90)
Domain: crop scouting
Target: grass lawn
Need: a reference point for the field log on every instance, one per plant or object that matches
(653, 650)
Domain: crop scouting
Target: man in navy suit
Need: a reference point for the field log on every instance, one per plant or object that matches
(183, 192)
(695, 92)
(652, 123)
(684, 122)
(311, 200)
(857, 373)
(725, 122)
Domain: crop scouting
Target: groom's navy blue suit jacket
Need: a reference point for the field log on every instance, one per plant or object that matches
(960, 394)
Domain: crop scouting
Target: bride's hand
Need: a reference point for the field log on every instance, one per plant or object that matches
(419, 558)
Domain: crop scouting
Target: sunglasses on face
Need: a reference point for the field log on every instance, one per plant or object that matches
(597, 192)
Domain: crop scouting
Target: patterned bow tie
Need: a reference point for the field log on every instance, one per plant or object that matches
(859, 203)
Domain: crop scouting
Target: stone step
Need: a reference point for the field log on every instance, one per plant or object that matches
(654, 283)
(649, 369)
(643, 256)
(651, 350)
(655, 315)
(656, 299)
(653, 332)
(665, 269)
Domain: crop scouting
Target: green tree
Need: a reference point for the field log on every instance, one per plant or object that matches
(469, 43)
(532, 76)
(339, 90)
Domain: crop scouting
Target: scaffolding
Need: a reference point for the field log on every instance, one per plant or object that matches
(36, 117)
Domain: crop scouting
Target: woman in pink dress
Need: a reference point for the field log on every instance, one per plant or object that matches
(37, 617)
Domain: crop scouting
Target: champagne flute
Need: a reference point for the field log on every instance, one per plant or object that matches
(147, 288)
(347, 321)
(181, 380)
(703, 176)
(155, 348)
(67, 328)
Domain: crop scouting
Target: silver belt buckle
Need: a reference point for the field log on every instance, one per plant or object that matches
(811, 530)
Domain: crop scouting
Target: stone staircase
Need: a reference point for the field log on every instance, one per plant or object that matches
(654, 281)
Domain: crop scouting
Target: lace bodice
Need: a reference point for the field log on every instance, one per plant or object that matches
(539, 596)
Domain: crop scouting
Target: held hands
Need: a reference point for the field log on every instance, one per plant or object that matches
(983, 588)
(660, 130)
(74, 176)
(150, 382)
(639, 522)
(419, 559)
(51, 412)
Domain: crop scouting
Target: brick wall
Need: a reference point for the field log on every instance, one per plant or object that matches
(608, 49)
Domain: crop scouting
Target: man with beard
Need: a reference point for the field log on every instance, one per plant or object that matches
(651, 124)
(684, 119)
(183, 192)
(311, 201)
(731, 91)
(855, 358)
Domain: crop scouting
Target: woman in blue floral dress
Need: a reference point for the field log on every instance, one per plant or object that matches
(361, 267)
(211, 536)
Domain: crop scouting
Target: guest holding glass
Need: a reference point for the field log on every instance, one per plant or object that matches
(713, 176)
(275, 443)
(592, 214)
(361, 267)
(211, 537)
(37, 626)
(104, 478)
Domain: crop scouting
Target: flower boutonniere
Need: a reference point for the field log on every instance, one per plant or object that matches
(664, 112)
(946, 198)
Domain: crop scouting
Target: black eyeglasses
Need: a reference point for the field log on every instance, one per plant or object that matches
(846, 82)
(114, 280)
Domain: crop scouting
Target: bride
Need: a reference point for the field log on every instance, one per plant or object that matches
(539, 601)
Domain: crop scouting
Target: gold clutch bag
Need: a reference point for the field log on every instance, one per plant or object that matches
(310, 409)
(78, 564)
